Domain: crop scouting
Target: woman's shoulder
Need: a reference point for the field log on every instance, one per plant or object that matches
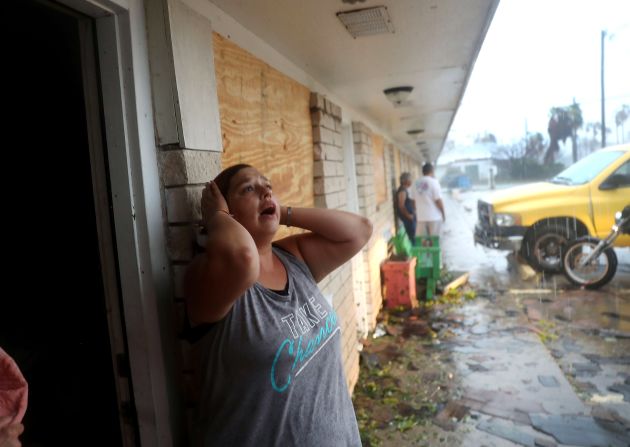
(291, 260)
(284, 252)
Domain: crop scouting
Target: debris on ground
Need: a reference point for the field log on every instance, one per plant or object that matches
(457, 282)
(395, 407)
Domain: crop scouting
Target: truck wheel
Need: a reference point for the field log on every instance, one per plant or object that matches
(544, 246)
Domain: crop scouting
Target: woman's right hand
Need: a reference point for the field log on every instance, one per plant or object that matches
(212, 202)
(229, 266)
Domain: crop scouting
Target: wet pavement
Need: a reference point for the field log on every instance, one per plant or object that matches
(530, 361)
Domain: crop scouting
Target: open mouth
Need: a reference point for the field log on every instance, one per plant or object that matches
(269, 211)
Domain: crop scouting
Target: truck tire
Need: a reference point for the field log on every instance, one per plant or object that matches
(543, 247)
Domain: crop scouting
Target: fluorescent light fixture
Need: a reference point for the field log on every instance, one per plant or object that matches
(367, 21)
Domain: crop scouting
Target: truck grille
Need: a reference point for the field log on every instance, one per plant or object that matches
(484, 211)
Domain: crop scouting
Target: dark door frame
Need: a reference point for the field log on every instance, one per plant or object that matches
(143, 290)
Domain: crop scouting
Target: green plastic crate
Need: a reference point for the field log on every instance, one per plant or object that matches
(427, 253)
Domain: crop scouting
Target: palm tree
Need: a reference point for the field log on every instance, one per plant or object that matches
(591, 142)
(620, 118)
(534, 146)
(563, 123)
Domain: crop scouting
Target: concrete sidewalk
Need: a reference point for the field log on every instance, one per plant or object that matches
(516, 392)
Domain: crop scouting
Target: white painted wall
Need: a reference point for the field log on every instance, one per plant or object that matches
(197, 104)
(183, 80)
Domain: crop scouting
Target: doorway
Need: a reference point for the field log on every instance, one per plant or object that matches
(58, 324)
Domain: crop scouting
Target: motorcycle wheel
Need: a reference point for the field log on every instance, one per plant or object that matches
(597, 272)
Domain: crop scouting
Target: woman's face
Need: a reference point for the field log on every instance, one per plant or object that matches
(251, 201)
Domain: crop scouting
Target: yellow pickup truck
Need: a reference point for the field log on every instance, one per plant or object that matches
(538, 218)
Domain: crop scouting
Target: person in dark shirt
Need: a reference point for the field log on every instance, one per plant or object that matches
(405, 206)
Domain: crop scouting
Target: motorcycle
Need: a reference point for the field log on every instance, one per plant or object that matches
(590, 262)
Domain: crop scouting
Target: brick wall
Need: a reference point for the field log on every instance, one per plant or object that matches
(183, 174)
(381, 216)
(329, 188)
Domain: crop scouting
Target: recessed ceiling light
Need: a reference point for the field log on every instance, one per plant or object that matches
(398, 95)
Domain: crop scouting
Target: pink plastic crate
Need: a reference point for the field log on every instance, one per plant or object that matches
(399, 283)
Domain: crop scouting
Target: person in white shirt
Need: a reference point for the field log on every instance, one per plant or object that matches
(427, 195)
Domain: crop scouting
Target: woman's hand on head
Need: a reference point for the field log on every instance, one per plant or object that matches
(229, 266)
(212, 201)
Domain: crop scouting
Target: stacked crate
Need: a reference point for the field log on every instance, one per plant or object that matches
(400, 283)
(426, 251)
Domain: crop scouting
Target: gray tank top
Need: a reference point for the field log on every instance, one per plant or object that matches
(273, 370)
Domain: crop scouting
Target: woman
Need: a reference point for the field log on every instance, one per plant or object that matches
(271, 349)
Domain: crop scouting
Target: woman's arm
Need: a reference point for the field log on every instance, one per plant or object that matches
(335, 236)
(229, 266)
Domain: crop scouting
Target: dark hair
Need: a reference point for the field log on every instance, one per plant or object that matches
(427, 168)
(225, 177)
(404, 177)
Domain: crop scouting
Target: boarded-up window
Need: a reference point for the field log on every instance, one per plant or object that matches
(378, 168)
(265, 122)
(397, 169)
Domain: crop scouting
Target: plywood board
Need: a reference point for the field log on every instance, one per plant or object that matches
(265, 122)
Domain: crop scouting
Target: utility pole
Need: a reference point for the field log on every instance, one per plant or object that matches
(603, 97)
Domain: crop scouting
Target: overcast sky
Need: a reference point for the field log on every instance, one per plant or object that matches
(544, 53)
